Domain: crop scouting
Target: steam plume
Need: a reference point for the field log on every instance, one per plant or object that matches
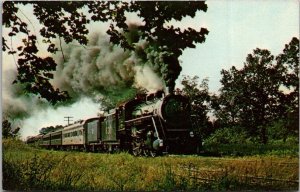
(98, 70)
(105, 69)
(16, 104)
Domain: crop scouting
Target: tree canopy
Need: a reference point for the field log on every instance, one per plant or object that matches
(200, 104)
(67, 21)
(262, 92)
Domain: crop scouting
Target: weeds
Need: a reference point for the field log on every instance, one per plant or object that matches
(25, 168)
(278, 149)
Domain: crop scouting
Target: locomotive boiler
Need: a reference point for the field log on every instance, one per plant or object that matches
(147, 125)
(159, 124)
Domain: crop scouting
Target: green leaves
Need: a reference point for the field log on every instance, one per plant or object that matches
(67, 20)
(34, 72)
(200, 100)
(253, 96)
(8, 131)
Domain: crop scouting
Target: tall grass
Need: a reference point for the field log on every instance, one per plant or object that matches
(26, 168)
(249, 149)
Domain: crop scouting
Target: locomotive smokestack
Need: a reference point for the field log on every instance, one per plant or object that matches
(169, 90)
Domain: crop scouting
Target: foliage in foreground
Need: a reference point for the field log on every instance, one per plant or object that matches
(35, 169)
(8, 131)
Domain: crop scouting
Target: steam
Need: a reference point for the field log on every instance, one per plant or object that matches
(147, 79)
(16, 104)
(104, 69)
(98, 70)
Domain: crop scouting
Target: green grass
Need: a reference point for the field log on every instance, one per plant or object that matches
(277, 149)
(27, 168)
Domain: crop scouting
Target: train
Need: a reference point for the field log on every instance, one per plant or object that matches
(148, 125)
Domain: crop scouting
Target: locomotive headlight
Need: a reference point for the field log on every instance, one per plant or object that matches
(192, 134)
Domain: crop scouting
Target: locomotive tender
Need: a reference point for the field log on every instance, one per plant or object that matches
(146, 125)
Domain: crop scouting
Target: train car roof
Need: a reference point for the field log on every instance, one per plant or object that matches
(79, 123)
(51, 132)
(39, 135)
(34, 137)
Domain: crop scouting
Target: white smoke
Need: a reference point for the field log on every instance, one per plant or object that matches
(147, 79)
(16, 104)
(93, 71)
(100, 67)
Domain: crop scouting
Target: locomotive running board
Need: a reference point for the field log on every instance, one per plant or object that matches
(139, 121)
(140, 118)
(173, 130)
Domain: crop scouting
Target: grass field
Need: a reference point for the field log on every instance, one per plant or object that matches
(26, 168)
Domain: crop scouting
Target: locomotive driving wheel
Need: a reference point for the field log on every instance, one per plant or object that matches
(153, 153)
(150, 152)
(137, 147)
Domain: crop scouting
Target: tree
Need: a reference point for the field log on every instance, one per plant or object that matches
(200, 103)
(261, 92)
(288, 61)
(252, 96)
(264, 93)
(227, 112)
(8, 131)
(66, 21)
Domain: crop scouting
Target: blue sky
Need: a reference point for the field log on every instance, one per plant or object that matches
(236, 28)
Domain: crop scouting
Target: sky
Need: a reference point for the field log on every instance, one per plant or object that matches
(235, 29)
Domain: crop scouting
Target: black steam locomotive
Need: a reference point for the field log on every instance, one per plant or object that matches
(146, 125)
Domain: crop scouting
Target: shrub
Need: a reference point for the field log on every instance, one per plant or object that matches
(227, 136)
(277, 130)
(282, 130)
(14, 144)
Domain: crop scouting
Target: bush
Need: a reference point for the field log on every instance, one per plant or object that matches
(14, 144)
(233, 142)
(227, 136)
(277, 130)
(281, 130)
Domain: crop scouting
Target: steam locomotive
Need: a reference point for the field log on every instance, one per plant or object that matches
(148, 125)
